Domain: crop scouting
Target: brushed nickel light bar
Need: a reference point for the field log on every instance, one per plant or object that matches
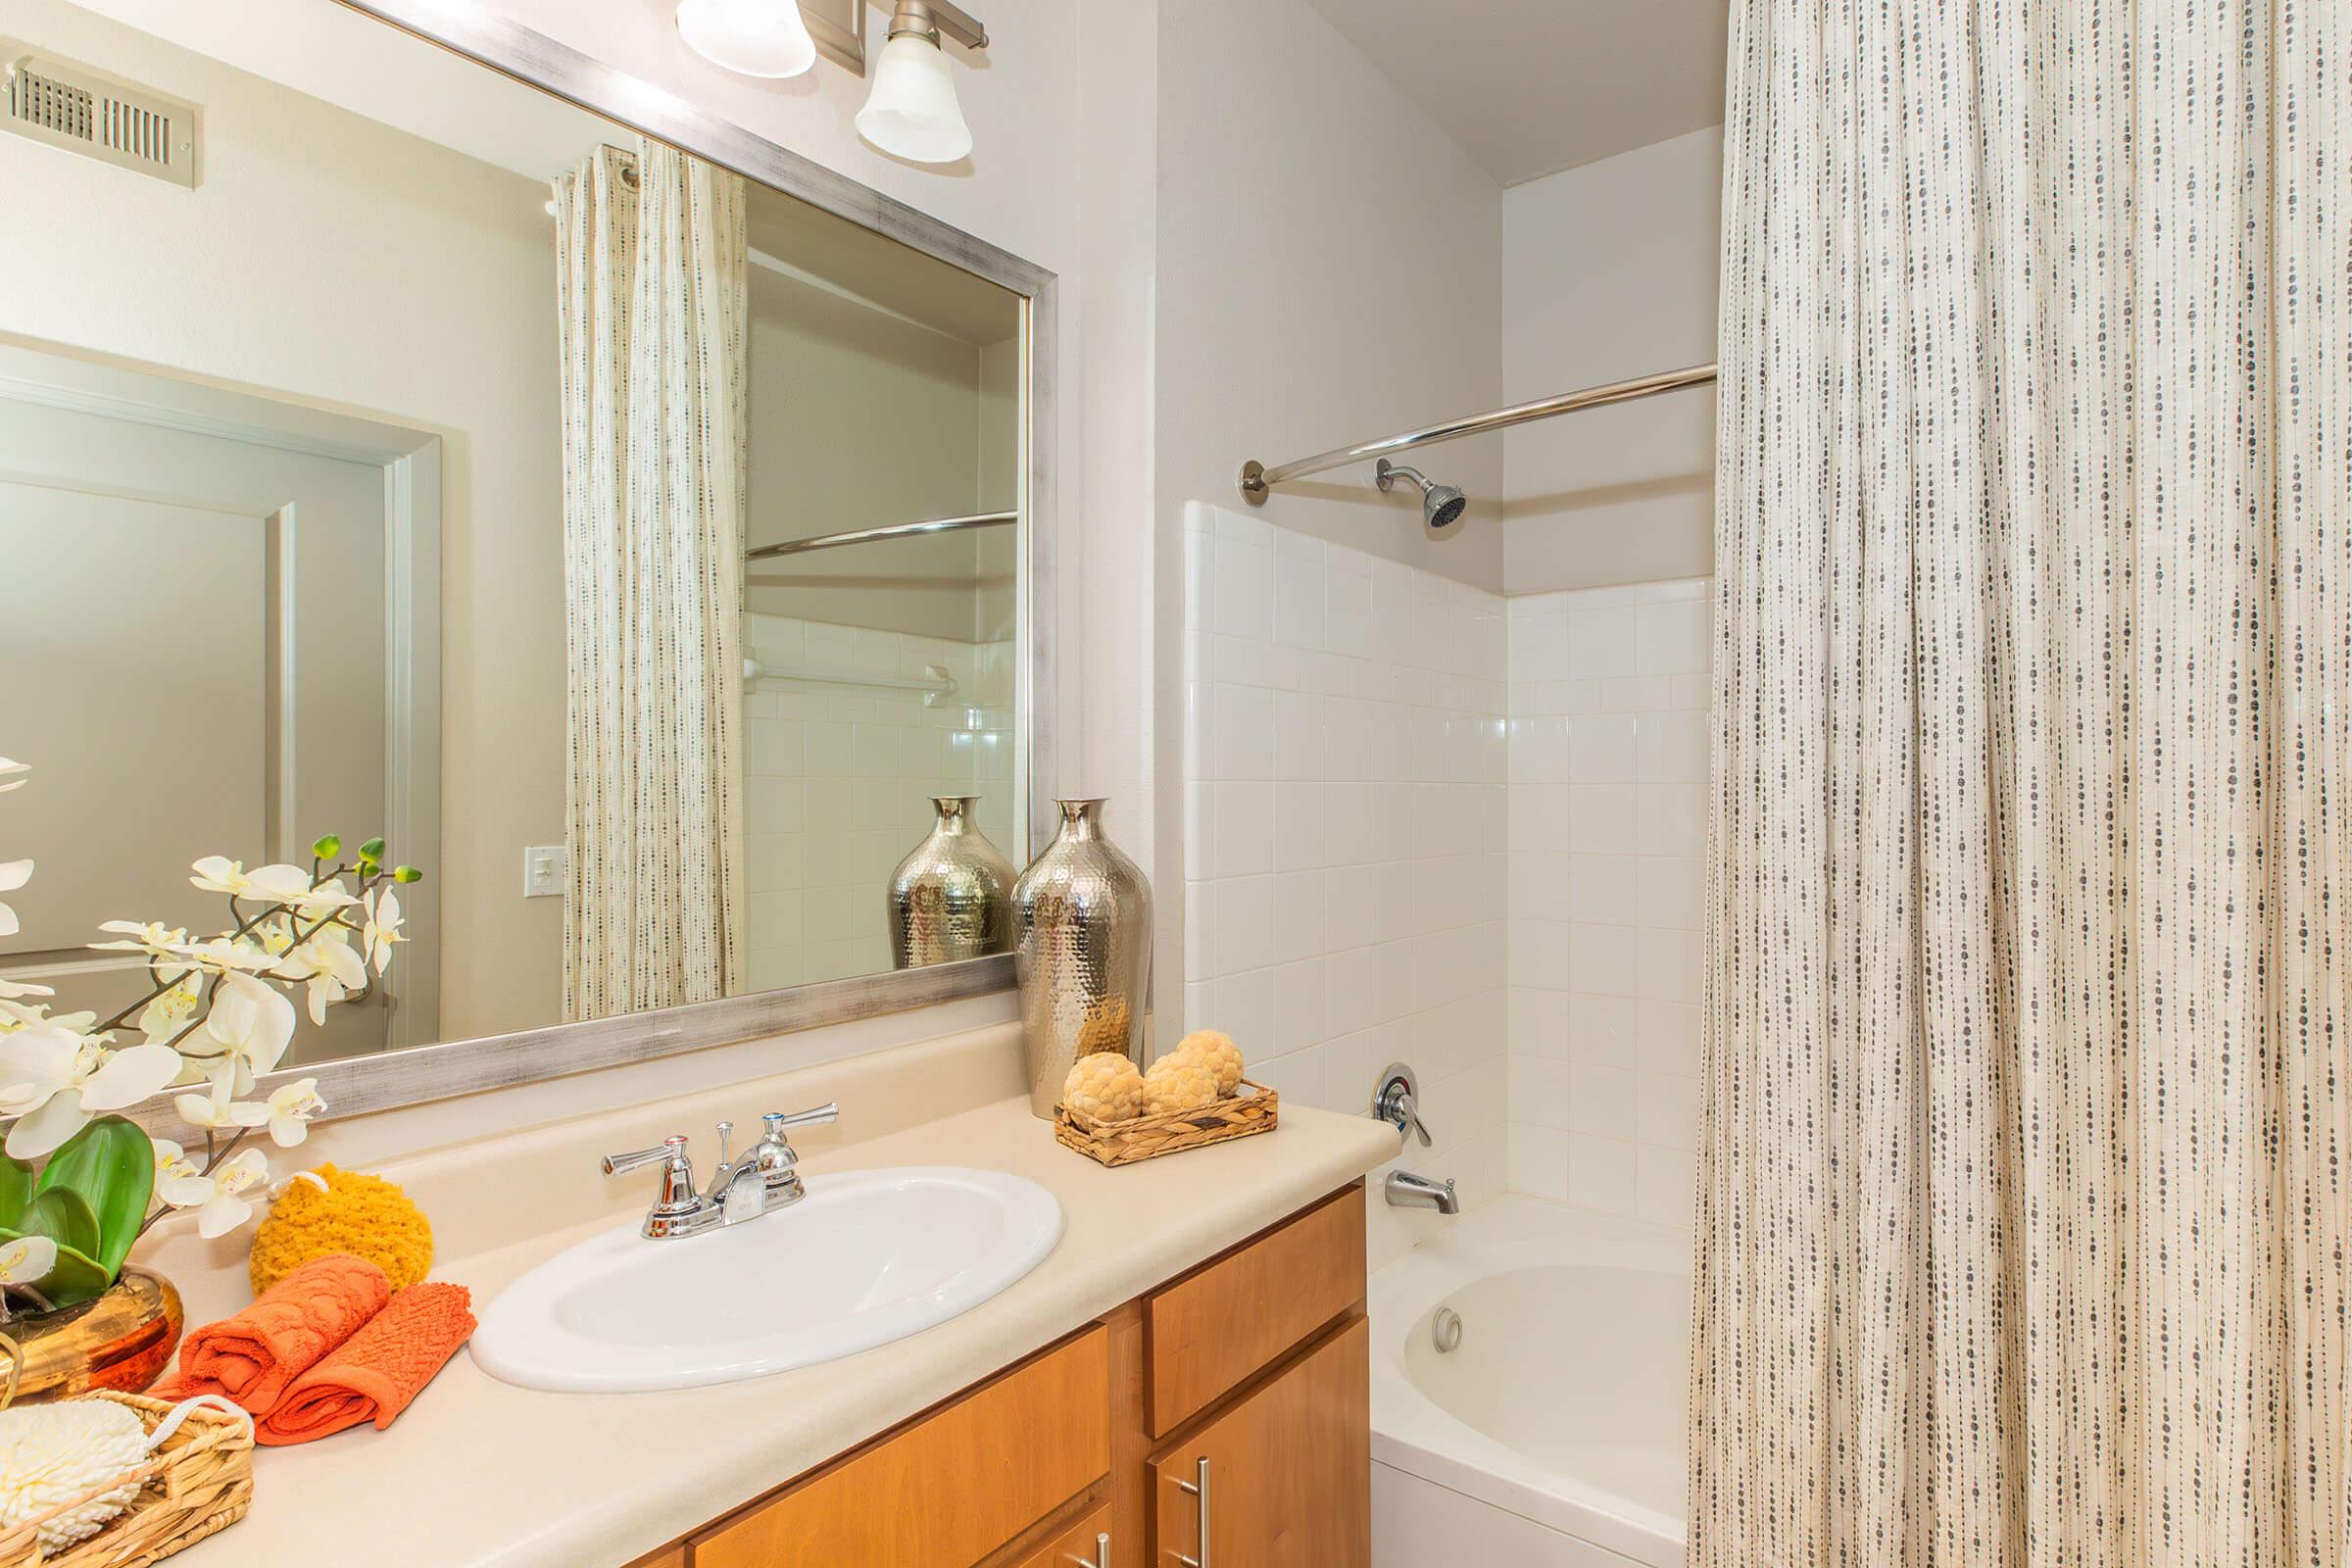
(1257, 481)
(895, 530)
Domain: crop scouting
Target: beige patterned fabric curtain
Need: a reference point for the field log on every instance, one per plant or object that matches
(652, 287)
(2022, 1218)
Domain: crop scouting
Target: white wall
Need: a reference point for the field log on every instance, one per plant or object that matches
(1608, 769)
(1609, 271)
(1343, 833)
(1328, 270)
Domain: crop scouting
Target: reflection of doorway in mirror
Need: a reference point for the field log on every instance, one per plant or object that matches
(186, 567)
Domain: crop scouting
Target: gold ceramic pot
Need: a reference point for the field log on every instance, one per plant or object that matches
(122, 1339)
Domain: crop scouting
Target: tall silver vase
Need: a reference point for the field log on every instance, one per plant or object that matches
(1082, 915)
(952, 897)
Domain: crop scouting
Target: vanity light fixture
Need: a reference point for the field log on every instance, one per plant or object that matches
(756, 37)
(913, 112)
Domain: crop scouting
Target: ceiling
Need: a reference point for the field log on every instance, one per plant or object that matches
(1530, 87)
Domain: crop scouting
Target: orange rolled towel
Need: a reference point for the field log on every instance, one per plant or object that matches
(378, 1370)
(255, 1355)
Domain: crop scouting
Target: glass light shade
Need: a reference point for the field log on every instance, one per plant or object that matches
(913, 109)
(753, 38)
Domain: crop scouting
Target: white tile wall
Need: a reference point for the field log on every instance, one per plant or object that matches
(1608, 776)
(841, 780)
(1345, 819)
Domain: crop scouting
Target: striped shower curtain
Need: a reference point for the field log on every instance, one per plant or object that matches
(2022, 1216)
(651, 288)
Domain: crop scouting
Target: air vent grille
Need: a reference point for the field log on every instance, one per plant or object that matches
(84, 111)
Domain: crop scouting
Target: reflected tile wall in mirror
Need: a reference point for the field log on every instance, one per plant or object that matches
(405, 475)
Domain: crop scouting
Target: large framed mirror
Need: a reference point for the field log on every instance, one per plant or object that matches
(635, 529)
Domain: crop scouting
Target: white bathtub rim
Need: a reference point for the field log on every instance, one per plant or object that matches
(1411, 1433)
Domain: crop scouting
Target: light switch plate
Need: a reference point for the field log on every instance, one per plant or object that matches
(546, 868)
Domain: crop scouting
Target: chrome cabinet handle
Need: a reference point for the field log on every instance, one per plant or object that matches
(1101, 1552)
(1199, 1491)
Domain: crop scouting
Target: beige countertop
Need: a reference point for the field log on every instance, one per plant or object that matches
(480, 1474)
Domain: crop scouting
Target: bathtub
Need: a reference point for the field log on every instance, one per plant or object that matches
(1552, 1436)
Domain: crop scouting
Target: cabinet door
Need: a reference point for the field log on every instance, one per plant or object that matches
(1284, 1477)
(1085, 1544)
(947, 1490)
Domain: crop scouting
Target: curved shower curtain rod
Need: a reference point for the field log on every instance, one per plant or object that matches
(1258, 480)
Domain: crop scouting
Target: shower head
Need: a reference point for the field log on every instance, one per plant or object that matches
(1442, 505)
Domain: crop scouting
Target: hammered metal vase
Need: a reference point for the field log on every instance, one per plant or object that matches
(952, 897)
(1082, 915)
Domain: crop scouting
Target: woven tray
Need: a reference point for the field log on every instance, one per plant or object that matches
(199, 1482)
(1253, 1108)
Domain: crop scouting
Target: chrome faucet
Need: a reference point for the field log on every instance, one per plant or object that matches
(765, 1180)
(1404, 1190)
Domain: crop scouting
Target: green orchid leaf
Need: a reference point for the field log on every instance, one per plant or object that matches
(16, 1189)
(64, 1216)
(111, 1166)
(72, 1279)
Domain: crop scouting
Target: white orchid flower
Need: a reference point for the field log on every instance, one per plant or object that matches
(289, 1111)
(8, 773)
(170, 1160)
(14, 1012)
(217, 1197)
(166, 1016)
(216, 1113)
(55, 1079)
(13, 874)
(325, 962)
(269, 884)
(152, 937)
(243, 1036)
(26, 1260)
(224, 954)
(382, 927)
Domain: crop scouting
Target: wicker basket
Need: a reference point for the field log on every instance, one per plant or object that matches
(199, 1482)
(1254, 1110)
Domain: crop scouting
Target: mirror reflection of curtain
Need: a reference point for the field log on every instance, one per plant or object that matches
(652, 287)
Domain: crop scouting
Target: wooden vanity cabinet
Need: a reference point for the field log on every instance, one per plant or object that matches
(1251, 1370)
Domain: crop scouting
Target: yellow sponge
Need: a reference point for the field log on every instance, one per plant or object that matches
(1179, 1081)
(1106, 1086)
(1217, 1051)
(364, 1215)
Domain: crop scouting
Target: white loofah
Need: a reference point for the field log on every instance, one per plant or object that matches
(52, 1453)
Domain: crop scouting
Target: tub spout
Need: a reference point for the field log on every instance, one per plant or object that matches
(1404, 1190)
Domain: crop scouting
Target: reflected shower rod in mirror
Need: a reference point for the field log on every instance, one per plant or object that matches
(1257, 481)
(895, 530)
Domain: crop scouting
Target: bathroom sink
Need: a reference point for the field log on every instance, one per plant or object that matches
(865, 1258)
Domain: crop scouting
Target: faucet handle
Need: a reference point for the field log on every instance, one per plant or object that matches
(775, 1153)
(677, 1172)
(1396, 1101)
(671, 1147)
(778, 1120)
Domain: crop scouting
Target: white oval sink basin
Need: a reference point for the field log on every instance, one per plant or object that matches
(865, 1258)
